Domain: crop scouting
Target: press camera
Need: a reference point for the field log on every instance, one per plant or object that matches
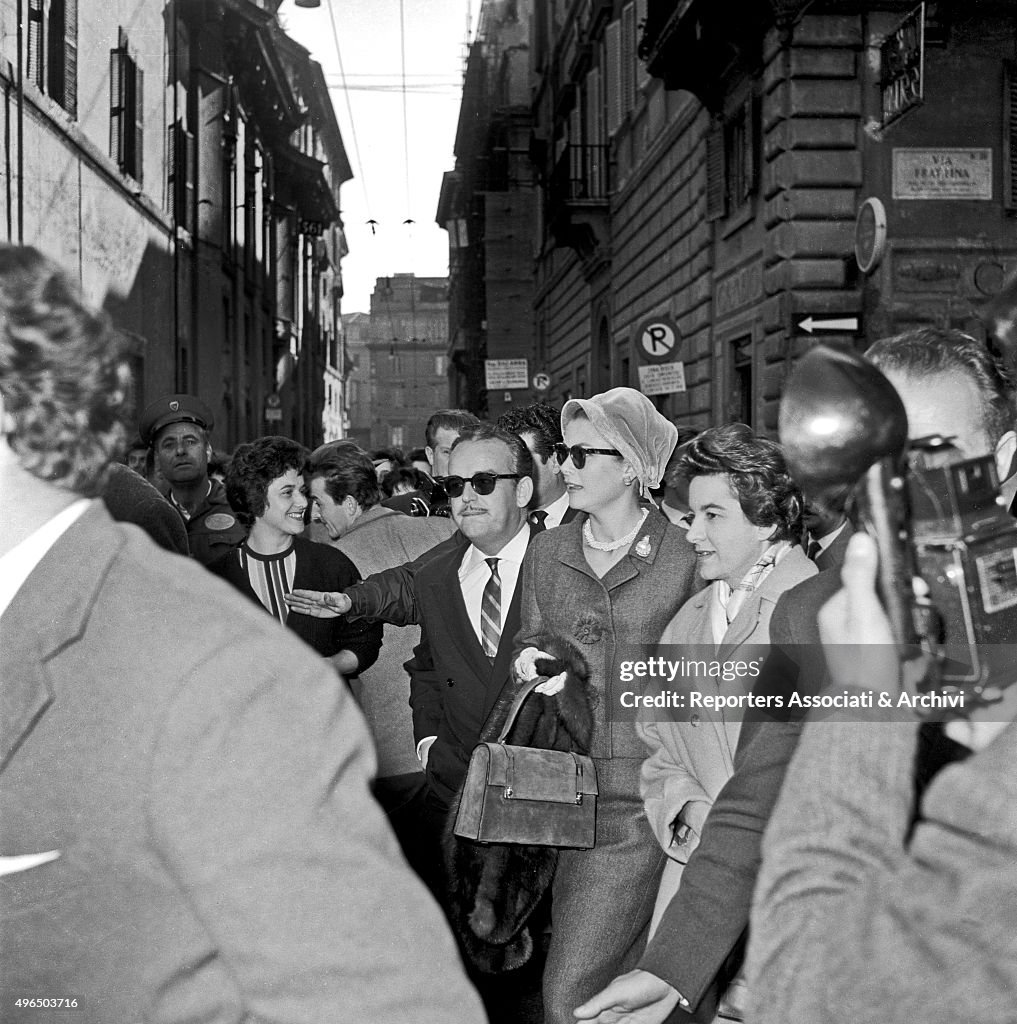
(947, 547)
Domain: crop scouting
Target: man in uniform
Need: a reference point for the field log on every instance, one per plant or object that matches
(176, 428)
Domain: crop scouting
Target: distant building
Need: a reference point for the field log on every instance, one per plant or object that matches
(406, 365)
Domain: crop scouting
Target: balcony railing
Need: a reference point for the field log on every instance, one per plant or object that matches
(581, 175)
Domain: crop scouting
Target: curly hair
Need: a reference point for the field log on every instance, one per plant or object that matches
(522, 460)
(252, 469)
(755, 469)
(541, 419)
(347, 470)
(63, 375)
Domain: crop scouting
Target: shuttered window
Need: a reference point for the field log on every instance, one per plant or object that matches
(628, 58)
(642, 75)
(180, 190)
(1010, 135)
(36, 38)
(613, 93)
(52, 50)
(716, 185)
(126, 126)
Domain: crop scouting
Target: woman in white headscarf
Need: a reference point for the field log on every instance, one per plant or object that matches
(608, 582)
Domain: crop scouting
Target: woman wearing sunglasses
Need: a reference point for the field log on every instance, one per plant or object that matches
(607, 582)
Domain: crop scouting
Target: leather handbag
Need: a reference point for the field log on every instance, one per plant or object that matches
(527, 795)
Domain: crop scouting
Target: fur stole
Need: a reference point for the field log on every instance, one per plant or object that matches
(495, 887)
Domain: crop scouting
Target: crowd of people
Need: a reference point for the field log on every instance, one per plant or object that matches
(241, 692)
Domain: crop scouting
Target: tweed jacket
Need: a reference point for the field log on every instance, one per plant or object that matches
(610, 619)
(219, 855)
(379, 539)
(860, 915)
(691, 760)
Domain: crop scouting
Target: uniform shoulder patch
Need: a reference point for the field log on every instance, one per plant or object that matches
(220, 521)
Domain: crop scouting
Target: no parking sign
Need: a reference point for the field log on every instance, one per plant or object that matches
(657, 340)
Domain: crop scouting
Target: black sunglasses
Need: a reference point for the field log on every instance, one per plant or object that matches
(482, 483)
(579, 453)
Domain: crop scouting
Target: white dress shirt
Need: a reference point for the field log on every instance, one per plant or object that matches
(556, 511)
(474, 572)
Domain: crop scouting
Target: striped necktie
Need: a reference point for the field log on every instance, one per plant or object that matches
(490, 611)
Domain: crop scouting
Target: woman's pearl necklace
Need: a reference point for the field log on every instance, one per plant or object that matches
(612, 545)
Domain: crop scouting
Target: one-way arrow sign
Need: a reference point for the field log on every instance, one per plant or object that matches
(811, 324)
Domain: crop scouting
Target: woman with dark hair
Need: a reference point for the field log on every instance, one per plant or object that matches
(745, 526)
(265, 486)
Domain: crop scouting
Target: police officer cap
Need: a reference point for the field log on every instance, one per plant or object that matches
(173, 409)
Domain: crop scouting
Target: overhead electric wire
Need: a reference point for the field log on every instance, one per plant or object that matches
(349, 107)
(406, 128)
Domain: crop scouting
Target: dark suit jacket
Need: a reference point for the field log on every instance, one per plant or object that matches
(699, 944)
(206, 785)
(833, 556)
(389, 596)
(453, 684)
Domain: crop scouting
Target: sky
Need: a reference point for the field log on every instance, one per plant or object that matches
(385, 187)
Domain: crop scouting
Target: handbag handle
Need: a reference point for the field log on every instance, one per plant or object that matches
(517, 703)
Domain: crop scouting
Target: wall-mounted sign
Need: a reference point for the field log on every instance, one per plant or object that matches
(273, 408)
(503, 374)
(541, 382)
(657, 340)
(942, 173)
(810, 324)
(870, 234)
(662, 378)
(902, 67)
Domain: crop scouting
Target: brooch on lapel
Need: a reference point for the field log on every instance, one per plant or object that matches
(587, 630)
(642, 548)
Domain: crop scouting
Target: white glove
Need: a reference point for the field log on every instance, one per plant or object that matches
(526, 667)
(551, 686)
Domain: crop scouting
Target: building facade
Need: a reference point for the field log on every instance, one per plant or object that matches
(488, 207)
(183, 159)
(708, 171)
(407, 359)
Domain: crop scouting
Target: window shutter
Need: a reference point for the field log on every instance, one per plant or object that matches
(642, 75)
(70, 97)
(628, 58)
(593, 133)
(716, 190)
(35, 43)
(612, 41)
(750, 155)
(138, 115)
(1010, 135)
(116, 106)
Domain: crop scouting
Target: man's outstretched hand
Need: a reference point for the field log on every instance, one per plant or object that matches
(319, 603)
(634, 998)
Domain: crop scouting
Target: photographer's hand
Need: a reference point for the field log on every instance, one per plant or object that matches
(857, 638)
